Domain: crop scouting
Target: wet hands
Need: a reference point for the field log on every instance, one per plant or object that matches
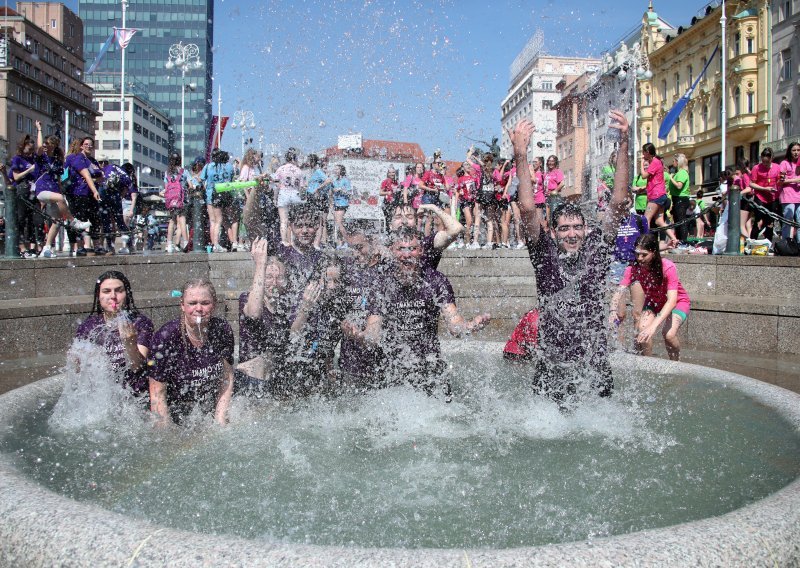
(647, 333)
(478, 322)
(311, 294)
(258, 251)
(618, 122)
(521, 136)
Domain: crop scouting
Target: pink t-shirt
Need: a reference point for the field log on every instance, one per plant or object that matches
(655, 295)
(790, 192)
(552, 178)
(765, 177)
(290, 178)
(655, 183)
(537, 179)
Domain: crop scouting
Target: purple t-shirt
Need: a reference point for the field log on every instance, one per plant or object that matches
(124, 184)
(192, 374)
(47, 173)
(94, 329)
(19, 164)
(76, 163)
(355, 357)
(267, 334)
(410, 315)
(629, 230)
(431, 256)
(571, 295)
(300, 268)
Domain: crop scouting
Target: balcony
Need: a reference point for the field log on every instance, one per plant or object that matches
(685, 141)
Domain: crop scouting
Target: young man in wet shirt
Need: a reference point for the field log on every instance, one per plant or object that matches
(571, 262)
(403, 317)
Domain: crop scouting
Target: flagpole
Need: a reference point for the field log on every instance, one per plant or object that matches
(734, 205)
(724, 114)
(122, 95)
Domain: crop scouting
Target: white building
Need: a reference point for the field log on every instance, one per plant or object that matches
(147, 132)
(785, 74)
(533, 94)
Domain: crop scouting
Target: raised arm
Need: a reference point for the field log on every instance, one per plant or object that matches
(520, 138)
(452, 228)
(616, 206)
(458, 326)
(255, 300)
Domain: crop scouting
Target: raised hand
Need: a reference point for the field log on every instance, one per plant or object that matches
(521, 136)
(259, 251)
(618, 121)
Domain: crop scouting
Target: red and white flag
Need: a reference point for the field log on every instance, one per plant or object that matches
(124, 36)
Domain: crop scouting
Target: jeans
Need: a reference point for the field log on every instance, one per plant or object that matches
(791, 212)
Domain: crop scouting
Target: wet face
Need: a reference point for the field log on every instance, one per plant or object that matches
(197, 303)
(643, 257)
(112, 296)
(403, 217)
(331, 277)
(569, 233)
(361, 247)
(274, 280)
(407, 254)
(304, 231)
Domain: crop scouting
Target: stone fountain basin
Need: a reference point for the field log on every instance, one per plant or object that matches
(42, 528)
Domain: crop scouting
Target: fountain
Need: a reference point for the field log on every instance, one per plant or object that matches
(684, 465)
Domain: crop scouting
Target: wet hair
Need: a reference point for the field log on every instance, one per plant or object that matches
(650, 148)
(649, 242)
(767, 152)
(74, 146)
(201, 282)
(565, 209)
(788, 156)
(291, 155)
(28, 139)
(130, 305)
(303, 212)
(404, 234)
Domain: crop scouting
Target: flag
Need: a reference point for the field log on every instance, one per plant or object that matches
(101, 53)
(123, 37)
(672, 116)
(212, 135)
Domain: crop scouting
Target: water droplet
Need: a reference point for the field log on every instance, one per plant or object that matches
(360, 113)
(322, 124)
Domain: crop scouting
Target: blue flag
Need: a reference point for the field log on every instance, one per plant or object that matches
(102, 52)
(672, 116)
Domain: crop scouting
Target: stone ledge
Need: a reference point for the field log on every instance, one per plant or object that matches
(56, 306)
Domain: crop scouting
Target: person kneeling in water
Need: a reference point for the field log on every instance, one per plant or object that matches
(403, 317)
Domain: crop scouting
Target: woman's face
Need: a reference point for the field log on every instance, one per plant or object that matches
(419, 169)
(644, 257)
(795, 152)
(274, 280)
(551, 164)
(112, 296)
(197, 303)
(646, 155)
(28, 148)
(766, 160)
(87, 147)
(391, 174)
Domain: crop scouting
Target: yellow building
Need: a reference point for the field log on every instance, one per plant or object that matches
(676, 63)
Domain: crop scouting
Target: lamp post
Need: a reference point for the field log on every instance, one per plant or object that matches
(185, 57)
(635, 60)
(243, 119)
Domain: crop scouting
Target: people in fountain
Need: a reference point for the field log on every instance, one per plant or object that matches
(192, 358)
(122, 331)
(301, 258)
(657, 199)
(264, 323)
(360, 363)
(403, 317)
(432, 245)
(219, 204)
(316, 331)
(571, 262)
(666, 303)
(790, 190)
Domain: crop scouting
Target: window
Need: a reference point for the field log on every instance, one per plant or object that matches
(663, 90)
(711, 168)
(786, 122)
(29, 125)
(690, 72)
(751, 103)
(785, 10)
(690, 121)
(111, 125)
(111, 105)
(547, 85)
(755, 152)
(137, 128)
(786, 67)
(737, 102)
(750, 44)
(705, 118)
(20, 123)
(137, 147)
(719, 112)
(547, 104)
(677, 128)
(53, 24)
(737, 41)
(110, 144)
(647, 98)
(677, 84)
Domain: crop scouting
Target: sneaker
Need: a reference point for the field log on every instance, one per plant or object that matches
(124, 250)
(520, 246)
(47, 252)
(81, 252)
(100, 251)
(218, 248)
(80, 225)
(170, 249)
(487, 246)
(505, 245)
(28, 254)
(473, 246)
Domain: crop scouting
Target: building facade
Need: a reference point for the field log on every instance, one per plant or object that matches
(532, 94)
(572, 140)
(161, 23)
(675, 66)
(146, 134)
(40, 80)
(785, 74)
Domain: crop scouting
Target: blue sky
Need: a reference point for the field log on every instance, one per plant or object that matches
(432, 72)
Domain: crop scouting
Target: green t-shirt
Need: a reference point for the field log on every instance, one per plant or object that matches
(681, 176)
(607, 175)
(640, 201)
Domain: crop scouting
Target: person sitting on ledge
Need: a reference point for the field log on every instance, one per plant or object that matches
(571, 262)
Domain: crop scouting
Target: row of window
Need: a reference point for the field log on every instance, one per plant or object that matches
(51, 81)
(44, 104)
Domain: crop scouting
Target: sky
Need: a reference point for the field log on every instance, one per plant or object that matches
(432, 72)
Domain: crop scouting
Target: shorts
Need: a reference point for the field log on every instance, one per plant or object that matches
(288, 198)
(485, 197)
(502, 204)
(662, 202)
(222, 200)
(175, 212)
(340, 207)
(541, 206)
(681, 309)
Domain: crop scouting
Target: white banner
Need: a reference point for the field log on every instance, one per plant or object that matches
(366, 177)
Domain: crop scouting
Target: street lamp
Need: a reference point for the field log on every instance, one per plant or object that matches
(635, 60)
(186, 58)
(243, 119)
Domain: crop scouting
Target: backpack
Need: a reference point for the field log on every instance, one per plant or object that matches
(786, 247)
(173, 192)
